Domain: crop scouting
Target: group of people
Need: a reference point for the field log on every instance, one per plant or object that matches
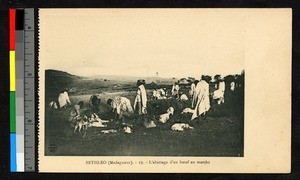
(159, 93)
(198, 93)
(119, 105)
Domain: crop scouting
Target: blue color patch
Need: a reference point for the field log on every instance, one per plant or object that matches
(13, 153)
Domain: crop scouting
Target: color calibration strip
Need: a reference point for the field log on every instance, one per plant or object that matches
(12, 94)
(21, 63)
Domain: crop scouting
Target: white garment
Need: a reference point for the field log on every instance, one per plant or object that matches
(196, 90)
(181, 127)
(95, 118)
(109, 131)
(161, 92)
(218, 94)
(193, 86)
(222, 91)
(63, 99)
(141, 97)
(53, 104)
(170, 110)
(201, 99)
(216, 86)
(175, 89)
(232, 86)
(97, 124)
(163, 118)
(127, 130)
(150, 124)
(222, 86)
(122, 104)
(154, 93)
(183, 97)
(187, 110)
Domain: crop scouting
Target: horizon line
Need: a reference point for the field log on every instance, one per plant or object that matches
(93, 76)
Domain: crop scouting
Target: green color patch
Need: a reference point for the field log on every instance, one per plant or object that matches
(12, 97)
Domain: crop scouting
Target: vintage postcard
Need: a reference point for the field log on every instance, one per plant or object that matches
(165, 90)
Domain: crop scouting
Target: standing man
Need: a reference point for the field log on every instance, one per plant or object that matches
(201, 101)
(222, 90)
(140, 102)
(175, 90)
(192, 90)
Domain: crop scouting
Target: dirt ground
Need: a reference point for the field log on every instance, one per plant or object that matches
(220, 134)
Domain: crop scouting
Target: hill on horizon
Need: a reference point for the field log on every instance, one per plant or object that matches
(118, 78)
(56, 81)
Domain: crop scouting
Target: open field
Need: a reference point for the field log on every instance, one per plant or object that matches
(220, 134)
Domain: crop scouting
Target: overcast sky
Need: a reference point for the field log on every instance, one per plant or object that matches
(140, 42)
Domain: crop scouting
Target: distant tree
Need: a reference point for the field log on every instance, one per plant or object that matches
(191, 79)
(241, 79)
(236, 76)
(217, 77)
(207, 78)
(229, 79)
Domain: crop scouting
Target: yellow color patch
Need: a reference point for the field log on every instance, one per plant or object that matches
(12, 70)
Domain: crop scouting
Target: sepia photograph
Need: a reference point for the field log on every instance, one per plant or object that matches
(171, 91)
(163, 90)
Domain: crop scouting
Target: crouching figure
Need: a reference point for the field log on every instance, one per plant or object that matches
(120, 106)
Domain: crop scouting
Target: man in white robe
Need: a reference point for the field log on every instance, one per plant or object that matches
(120, 106)
(140, 102)
(63, 99)
(219, 93)
(201, 102)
